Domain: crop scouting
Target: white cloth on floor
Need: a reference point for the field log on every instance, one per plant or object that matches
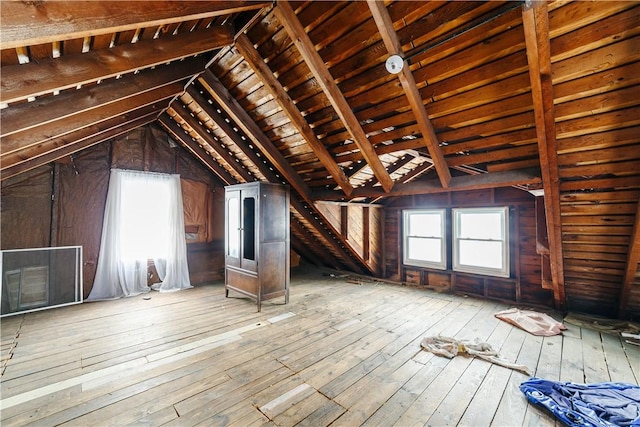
(451, 347)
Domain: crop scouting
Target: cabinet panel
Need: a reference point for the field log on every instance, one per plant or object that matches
(271, 270)
(276, 217)
(242, 281)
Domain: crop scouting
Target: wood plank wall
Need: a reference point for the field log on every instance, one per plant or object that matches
(361, 226)
(525, 284)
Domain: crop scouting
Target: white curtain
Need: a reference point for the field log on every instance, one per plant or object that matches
(143, 220)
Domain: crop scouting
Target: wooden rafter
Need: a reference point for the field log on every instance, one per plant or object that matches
(264, 169)
(30, 23)
(400, 163)
(392, 43)
(25, 116)
(458, 183)
(228, 129)
(536, 30)
(23, 81)
(633, 258)
(269, 150)
(200, 153)
(193, 123)
(392, 168)
(252, 56)
(306, 250)
(79, 140)
(270, 175)
(31, 142)
(250, 128)
(289, 20)
(416, 172)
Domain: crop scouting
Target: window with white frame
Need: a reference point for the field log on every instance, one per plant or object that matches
(424, 238)
(481, 241)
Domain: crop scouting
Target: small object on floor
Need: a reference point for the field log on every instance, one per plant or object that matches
(146, 298)
(451, 347)
(631, 338)
(535, 323)
(603, 324)
(598, 404)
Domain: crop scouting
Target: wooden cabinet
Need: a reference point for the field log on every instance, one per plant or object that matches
(257, 240)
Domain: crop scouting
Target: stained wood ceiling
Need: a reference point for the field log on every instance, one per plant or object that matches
(492, 94)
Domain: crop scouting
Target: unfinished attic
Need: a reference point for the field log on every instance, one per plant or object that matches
(410, 168)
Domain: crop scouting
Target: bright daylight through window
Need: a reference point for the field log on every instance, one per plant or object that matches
(424, 238)
(145, 218)
(481, 241)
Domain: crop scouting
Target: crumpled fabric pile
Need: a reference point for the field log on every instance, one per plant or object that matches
(451, 347)
(590, 405)
(535, 323)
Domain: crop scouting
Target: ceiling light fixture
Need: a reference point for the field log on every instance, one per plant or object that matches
(394, 64)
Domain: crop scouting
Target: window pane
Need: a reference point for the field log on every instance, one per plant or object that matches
(144, 219)
(421, 249)
(480, 226)
(425, 224)
(480, 253)
(233, 233)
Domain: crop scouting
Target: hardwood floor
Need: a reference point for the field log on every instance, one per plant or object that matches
(341, 353)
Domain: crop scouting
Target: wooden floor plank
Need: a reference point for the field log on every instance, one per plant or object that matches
(484, 403)
(323, 415)
(513, 405)
(431, 397)
(549, 365)
(455, 403)
(338, 354)
(157, 418)
(633, 355)
(618, 365)
(572, 365)
(595, 362)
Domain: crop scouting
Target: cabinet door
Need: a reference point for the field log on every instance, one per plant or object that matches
(249, 208)
(233, 228)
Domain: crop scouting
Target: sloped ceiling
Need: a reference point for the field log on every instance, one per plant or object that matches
(492, 94)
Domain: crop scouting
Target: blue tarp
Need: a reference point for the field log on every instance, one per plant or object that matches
(601, 404)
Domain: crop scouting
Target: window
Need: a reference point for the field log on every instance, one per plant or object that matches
(481, 241)
(144, 217)
(424, 238)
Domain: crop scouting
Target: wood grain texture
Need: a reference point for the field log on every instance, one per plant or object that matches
(31, 23)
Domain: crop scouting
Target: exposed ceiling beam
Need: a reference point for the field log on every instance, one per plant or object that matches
(407, 158)
(244, 121)
(193, 123)
(392, 43)
(633, 258)
(31, 142)
(252, 56)
(227, 128)
(206, 158)
(535, 21)
(199, 152)
(457, 183)
(416, 172)
(31, 23)
(62, 147)
(289, 20)
(300, 243)
(24, 116)
(24, 81)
